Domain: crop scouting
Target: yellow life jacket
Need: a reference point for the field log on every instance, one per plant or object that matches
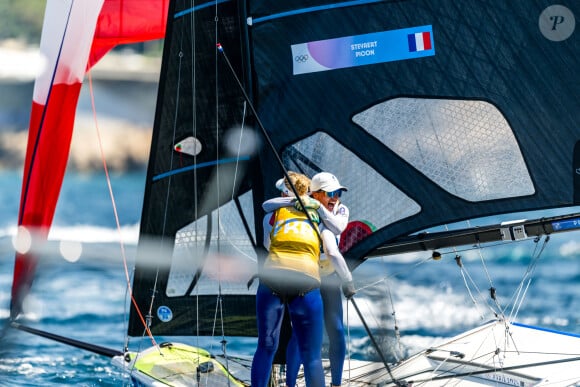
(294, 244)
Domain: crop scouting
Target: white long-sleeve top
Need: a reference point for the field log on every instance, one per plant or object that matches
(335, 221)
(333, 224)
(267, 229)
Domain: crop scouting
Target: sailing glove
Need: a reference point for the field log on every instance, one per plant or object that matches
(348, 289)
(313, 214)
(309, 203)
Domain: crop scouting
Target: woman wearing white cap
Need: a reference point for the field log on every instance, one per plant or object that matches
(327, 190)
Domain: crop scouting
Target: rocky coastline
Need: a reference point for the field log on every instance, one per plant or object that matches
(125, 148)
(124, 90)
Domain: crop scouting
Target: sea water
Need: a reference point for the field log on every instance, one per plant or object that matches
(86, 300)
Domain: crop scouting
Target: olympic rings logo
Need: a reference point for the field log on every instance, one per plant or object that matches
(301, 58)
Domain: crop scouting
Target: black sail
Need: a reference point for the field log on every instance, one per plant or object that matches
(198, 212)
(430, 112)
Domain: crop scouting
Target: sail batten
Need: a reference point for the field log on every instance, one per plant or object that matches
(201, 165)
(298, 11)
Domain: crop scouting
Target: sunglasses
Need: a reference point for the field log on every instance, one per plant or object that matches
(333, 194)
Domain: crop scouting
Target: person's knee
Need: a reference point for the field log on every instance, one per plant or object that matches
(269, 343)
(335, 332)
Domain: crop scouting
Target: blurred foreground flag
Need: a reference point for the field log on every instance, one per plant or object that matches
(75, 35)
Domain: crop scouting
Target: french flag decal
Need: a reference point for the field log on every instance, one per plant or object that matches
(419, 41)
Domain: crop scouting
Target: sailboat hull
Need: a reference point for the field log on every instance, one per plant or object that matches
(175, 364)
(496, 353)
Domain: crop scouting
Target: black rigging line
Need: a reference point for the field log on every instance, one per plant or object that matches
(375, 344)
(66, 340)
(298, 156)
(245, 222)
(279, 159)
(206, 247)
(266, 136)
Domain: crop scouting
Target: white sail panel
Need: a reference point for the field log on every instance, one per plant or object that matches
(466, 147)
(321, 150)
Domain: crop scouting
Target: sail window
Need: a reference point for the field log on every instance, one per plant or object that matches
(214, 256)
(320, 152)
(465, 147)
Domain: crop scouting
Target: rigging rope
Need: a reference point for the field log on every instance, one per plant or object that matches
(221, 50)
(396, 324)
(348, 340)
(396, 329)
(164, 222)
(195, 153)
(115, 212)
(492, 289)
(466, 276)
(221, 232)
(239, 148)
(527, 278)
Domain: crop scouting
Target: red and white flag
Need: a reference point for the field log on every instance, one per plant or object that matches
(75, 35)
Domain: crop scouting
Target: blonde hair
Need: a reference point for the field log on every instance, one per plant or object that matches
(301, 182)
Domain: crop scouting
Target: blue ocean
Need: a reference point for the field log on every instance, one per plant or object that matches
(87, 299)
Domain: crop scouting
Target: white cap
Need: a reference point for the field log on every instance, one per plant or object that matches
(282, 188)
(325, 181)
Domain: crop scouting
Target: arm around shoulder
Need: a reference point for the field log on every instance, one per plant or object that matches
(273, 204)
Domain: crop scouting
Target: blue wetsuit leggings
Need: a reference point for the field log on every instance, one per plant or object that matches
(306, 316)
(332, 303)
